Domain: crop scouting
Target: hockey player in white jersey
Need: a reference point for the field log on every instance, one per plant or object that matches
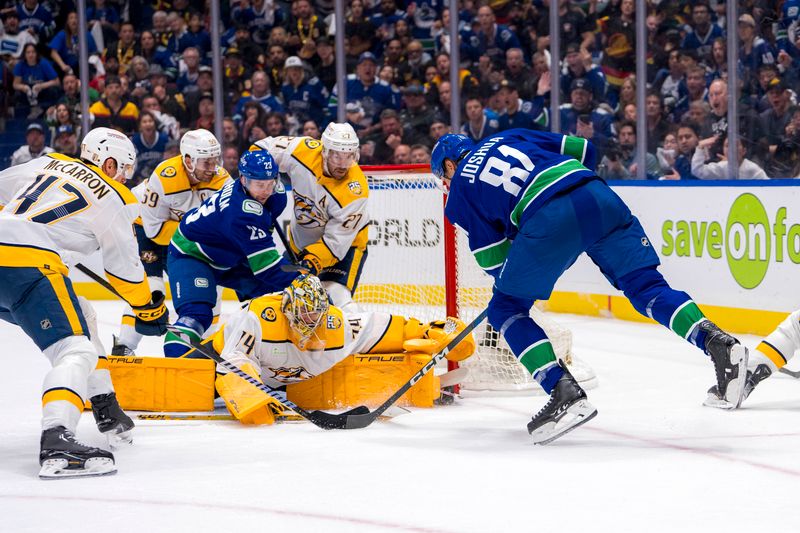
(176, 186)
(294, 335)
(771, 354)
(64, 208)
(330, 223)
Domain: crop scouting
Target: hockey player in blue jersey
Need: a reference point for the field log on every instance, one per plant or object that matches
(530, 205)
(227, 241)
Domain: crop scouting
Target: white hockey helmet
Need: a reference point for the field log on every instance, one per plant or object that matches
(103, 143)
(203, 149)
(339, 149)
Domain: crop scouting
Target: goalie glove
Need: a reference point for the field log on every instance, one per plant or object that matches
(245, 402)
(438, 335)
(152, 319)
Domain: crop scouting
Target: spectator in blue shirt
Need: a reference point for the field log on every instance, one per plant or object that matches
(37, 17)
(305, 97)
(494, 39)
(702, 33)
(374, 95)
(150, 145)
(35, 82)
(107, 17)
(196, 36)
(64, 46)
(260, 93)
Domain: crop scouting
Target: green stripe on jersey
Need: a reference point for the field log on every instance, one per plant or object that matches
(685, 318)
(492, 256)
(543, 181)
(263, 260)
(575, 147)
(188, 247)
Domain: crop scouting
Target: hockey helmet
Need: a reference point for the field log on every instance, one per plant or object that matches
(339, 149)
(450, 146)
(305, 304)
(204, 153)
(258, 165)
(103, 143)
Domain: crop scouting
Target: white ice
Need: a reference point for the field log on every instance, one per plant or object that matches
(653, 460)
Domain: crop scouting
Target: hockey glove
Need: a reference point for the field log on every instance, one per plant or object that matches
(439, 335)
(152, 319)
(311, 262)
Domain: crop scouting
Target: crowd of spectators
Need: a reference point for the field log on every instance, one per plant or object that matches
(151, 77)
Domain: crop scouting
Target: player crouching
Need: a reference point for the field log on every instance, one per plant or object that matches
(294, 335)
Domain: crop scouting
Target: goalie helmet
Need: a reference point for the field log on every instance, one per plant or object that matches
(204, 152)
(103, 143)
(339, 149)
(305, 304)
(450, 146)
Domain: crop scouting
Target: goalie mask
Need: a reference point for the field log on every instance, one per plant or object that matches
(305, 304)
(339, 149)
(201, 154)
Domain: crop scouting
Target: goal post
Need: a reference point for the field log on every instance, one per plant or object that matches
(419, 265)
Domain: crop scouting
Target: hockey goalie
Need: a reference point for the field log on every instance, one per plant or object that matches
(292, 336)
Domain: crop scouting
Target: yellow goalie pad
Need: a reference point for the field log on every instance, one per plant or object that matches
(367, 379)
(161, 384)
(244, 401)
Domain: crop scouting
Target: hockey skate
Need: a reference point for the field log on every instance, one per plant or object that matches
(754, 377)
(567, 409)
(120, 349)
(112, 420)
(730, 364)
(62, 456)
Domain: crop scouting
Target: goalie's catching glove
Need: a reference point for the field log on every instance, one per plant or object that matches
(152, 319)
(437, 336)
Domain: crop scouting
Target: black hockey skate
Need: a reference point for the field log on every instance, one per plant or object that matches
(567, 409)
(62, 456)
(754, 377)
(111, 419)
(120, 349)
(730, 363)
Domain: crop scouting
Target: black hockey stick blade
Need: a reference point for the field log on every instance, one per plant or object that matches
(295, 268)
(318, 418)
(794, 373)
(363, 420)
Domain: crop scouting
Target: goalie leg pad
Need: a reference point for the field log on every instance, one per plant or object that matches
(248, 404)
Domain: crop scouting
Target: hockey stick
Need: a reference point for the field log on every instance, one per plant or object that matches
(356, 421)
(794, 373)
(294, 267)
(318, 418)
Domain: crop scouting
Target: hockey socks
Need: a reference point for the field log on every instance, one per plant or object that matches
(174, 346)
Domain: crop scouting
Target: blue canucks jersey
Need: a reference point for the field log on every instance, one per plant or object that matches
(505, 178)
(232, 229)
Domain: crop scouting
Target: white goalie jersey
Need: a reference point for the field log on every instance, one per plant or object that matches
(261, 335)
(329, 215)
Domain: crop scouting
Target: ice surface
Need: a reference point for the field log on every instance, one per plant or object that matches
(653, 460)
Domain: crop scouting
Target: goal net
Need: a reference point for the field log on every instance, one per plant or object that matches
(408, 271)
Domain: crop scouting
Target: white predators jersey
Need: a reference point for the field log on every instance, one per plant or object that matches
(168, 194)
(329, 215)
(64, 208)
(261, 335)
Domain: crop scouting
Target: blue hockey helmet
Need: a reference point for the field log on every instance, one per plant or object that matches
(450, 146)
(258, 165)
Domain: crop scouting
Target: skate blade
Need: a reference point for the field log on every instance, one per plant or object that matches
(718, 403)
(93, 467)
(577, 415)
(119, 440)
(734, 393)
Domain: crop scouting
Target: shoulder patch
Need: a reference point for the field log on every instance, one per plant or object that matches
(355, 187)
(169, 172)
(312, 144)
(251, 206)
(269, 314)
(334, 322)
